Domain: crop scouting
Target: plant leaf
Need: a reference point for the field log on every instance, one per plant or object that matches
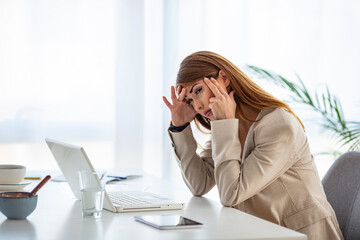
(328, 105)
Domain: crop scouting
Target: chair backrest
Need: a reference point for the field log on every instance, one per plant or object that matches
(342, 188)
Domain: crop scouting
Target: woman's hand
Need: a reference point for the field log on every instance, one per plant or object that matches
(222, 105)
(181, 112)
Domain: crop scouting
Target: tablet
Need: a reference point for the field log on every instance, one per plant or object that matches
(168, 221)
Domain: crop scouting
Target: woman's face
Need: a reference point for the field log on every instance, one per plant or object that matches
(198, 95)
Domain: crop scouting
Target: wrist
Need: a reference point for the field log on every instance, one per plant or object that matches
(178, 128)
(177, 124)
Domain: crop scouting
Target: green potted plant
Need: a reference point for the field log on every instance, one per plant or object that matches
(346, 133)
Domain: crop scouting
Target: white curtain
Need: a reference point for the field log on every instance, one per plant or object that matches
(93, 72)
(56, 79)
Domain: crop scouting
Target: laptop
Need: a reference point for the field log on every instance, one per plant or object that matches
(71, 159)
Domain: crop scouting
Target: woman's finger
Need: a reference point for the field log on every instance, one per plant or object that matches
(178, 90)
(214, 109)
(182, 95)
(220, 88)
(211, 106)
(173, 95)
(231, 95)
(167, 103)
(212, 87)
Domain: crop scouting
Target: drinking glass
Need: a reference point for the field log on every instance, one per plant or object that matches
(92, 186)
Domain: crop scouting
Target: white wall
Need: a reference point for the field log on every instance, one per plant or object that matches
(93, 72)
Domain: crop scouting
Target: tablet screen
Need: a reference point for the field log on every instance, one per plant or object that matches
(168, 221)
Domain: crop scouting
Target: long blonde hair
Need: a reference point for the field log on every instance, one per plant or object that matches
(208, 64)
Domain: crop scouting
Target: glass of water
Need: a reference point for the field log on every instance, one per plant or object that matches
(92, 186)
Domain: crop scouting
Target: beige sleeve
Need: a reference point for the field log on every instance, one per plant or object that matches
(273, 155)
(197, 170)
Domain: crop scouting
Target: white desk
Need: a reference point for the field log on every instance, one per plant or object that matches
(58, 216)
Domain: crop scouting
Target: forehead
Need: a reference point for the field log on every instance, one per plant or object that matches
(188, 86)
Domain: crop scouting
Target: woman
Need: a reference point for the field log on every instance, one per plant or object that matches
(258, 156)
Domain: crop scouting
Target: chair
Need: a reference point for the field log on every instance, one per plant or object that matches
(342, 188)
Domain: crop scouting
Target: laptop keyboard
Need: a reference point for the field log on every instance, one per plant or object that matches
(121, 199)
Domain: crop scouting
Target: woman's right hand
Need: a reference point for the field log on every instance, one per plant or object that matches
(181, 111)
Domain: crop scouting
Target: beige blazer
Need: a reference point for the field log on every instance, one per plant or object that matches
(276, 179)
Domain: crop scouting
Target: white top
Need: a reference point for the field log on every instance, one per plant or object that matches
(58, 216)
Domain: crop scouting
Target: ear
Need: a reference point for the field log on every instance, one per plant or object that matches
(223, 78)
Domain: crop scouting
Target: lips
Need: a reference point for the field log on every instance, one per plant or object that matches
(207, 113)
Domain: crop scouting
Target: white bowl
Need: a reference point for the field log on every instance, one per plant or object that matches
(11, 174)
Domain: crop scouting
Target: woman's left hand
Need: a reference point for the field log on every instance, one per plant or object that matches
(222, 105)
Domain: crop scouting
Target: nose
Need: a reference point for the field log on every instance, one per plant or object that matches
(197, 105)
